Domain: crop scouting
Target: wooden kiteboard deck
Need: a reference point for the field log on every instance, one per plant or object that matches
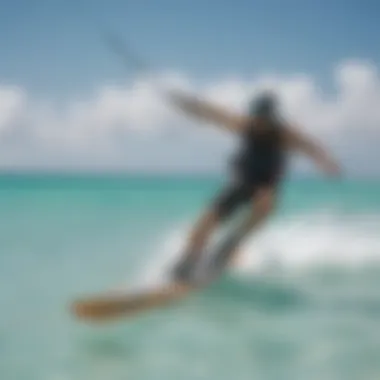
(109, 307)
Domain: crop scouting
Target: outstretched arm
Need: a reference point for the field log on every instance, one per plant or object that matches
(208, 112)
(315, 151)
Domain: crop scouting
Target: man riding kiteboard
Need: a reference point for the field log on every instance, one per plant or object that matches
(257, 171)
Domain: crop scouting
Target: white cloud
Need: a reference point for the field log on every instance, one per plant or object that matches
(12, 100)
(131, 127)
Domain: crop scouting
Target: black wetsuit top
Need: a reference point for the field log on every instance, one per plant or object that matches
(261, 157)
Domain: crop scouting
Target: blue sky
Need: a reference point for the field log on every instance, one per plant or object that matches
(52, 47)
(52, 54)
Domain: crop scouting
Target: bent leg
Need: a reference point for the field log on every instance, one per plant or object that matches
(224, 206)
(262, 206)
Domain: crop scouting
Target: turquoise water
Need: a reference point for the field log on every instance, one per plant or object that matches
(302, 303)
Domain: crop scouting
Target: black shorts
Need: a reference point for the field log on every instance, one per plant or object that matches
(238, 193)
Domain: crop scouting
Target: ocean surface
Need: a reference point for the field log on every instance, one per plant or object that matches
(303, 301)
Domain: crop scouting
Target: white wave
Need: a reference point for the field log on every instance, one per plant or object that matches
(308, 240)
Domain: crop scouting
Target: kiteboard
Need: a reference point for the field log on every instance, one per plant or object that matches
(109, 306)
(114, 305)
